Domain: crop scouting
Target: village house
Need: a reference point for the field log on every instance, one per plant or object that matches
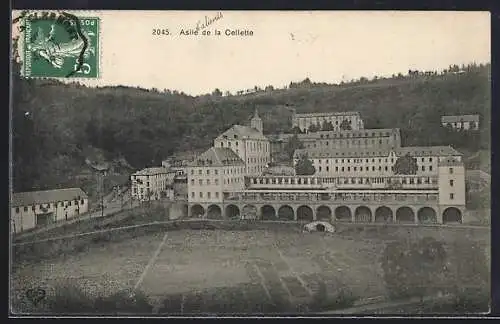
(466, 122)
(37, 208)
(152, 184)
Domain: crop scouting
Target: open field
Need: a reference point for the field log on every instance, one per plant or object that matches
(193, 271)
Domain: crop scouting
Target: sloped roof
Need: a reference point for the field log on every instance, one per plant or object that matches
(46, 196)
(375, 132)
(321, 114)
(378, 152)
(458, 118)
(152, 171)
(217, 157)
(242, 132)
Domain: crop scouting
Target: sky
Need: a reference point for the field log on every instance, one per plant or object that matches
(327, 46)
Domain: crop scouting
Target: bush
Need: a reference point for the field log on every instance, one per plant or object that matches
(414, 269)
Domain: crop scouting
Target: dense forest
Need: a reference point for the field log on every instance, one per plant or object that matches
(57, 126)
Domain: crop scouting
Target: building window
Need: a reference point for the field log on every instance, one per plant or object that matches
(430, 167)
(208, 195)
(199, 172)
(430, 159)
(192, 194)
(337, 169)
(373, 168)
(208, 182)
(451, 183)
(25, 209)
(452, 196)
(348, 168)
(216, 181)
(423, 167)
(451, 170)
(33, 208)
(386, 168)
(192, 172)
(192, 182)
(319, 169)
(200, 182)
(216, 195)
(208, 172)
(216, 172)
(81, 202)
(201, 194)
(17, 209)
(327, 169)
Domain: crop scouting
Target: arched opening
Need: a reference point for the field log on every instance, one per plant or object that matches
(343, 213)
(320, 227)
(249, 212)
(305, 213)
(197, 211)
(405, 215)
(363, 214)
(214, 212)
(427, 215)
(324, 213)
(383, 214)
(232, 212)
(452, 215)
(268, 212)
(286, 213)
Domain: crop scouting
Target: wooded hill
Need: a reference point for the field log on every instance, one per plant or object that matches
(55, 125)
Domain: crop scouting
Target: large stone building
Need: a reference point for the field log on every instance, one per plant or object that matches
(249, 143)
(217, 170)
(361, 162)
(355, 179)
(351, 118)
(330, 140)
(152, 184)
(37, 208)
(466, 122)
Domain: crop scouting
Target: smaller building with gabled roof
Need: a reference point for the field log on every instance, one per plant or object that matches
(466, 122)
(38, 208)
(152, 183)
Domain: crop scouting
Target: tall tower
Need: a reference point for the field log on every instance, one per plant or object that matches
(256, 122)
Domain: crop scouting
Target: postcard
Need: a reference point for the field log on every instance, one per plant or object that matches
(250, 163)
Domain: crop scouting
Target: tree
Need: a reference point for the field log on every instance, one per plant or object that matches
(327, 126)
(414, 269)
(217, 93)
(296, 130)
(304, 166)
(313, 128)
(293, 144)
(344, 125)
(406, 165)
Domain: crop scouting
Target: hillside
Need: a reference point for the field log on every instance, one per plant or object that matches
(55, 124)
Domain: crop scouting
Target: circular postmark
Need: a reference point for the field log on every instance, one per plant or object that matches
(59, 44)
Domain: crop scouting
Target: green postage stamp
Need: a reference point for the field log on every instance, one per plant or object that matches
(60, 46)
